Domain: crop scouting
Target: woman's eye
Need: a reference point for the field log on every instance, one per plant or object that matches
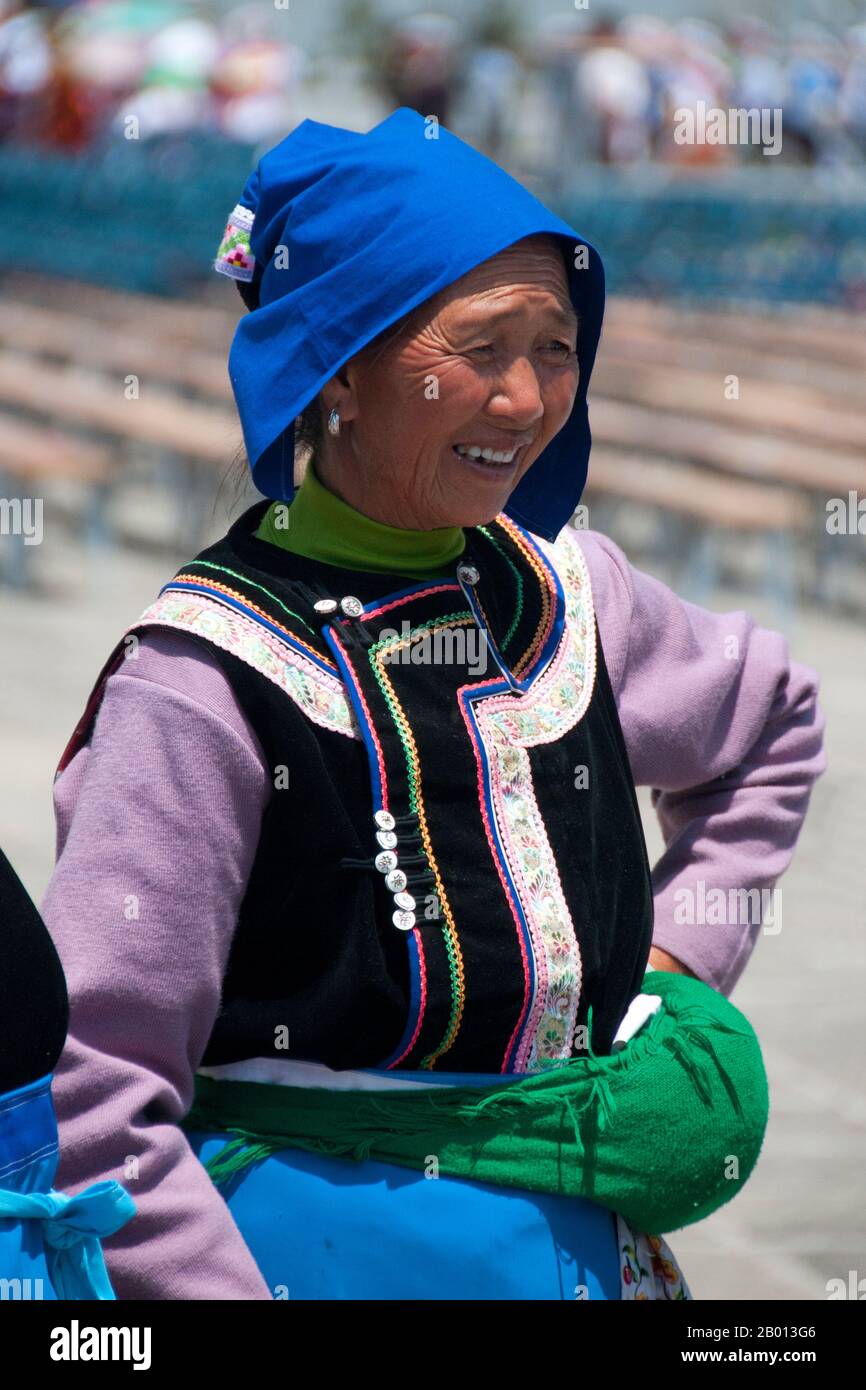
(482, 347)
(561, 347)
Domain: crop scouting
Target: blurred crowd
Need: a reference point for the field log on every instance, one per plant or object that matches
(608, 88)
(621, 84)
(69, 73)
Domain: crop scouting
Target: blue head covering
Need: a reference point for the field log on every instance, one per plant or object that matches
(338, 235)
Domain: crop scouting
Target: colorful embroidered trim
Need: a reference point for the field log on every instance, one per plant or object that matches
(319, 695)
(184, 583)
(549, 595)
(648, 1267)
(416, 803)
(506, 725)
(234, 257)
(497, 854)
(376, 757)
(518, 578)
(251, 584)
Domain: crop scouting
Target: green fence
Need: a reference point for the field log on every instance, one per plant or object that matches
(148, 216)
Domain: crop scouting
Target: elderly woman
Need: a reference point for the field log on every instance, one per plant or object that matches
(352, 892)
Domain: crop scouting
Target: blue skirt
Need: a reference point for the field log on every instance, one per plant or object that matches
(328, 1228)
(50, 1244)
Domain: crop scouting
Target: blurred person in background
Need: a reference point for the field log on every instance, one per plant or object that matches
(813, 81)
(696, 70)
(420, 64)
(613, 98)
(101, 55)
(649, 40)
(25, 69)
(553, 56)
(173, 95)
(758, 66)
(488, 90)
(852, 95)
(256, 77)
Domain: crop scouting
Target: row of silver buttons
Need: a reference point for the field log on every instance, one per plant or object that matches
(395, 878)
(386, 860)
(351, 606)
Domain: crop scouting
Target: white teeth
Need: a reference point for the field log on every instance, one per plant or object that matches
(473, 451)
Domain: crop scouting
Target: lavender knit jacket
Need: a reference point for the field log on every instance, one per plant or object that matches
(157, 826)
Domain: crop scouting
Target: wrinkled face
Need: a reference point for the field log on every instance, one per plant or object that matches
(440, 423)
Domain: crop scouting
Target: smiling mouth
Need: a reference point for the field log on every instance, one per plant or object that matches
(489, 460)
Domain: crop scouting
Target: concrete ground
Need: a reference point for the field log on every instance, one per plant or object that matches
(800, 1220)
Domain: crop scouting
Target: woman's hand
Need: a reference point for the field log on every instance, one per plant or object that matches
(660, 960)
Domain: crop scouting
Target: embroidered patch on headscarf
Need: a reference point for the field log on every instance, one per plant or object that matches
(234, 256)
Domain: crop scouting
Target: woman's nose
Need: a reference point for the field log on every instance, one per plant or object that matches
(517, 396)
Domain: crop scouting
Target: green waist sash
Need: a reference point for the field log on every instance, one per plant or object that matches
(664, 1132)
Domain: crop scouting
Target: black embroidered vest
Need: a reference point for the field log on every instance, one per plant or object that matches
(451, 868)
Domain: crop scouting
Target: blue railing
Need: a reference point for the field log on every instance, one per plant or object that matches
(148, 217)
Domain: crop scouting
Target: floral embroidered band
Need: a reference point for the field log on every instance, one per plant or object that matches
(234, 257)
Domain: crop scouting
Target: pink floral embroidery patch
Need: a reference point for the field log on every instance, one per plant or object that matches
(234, 257)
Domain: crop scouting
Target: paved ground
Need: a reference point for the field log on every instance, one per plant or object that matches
(800, 1220)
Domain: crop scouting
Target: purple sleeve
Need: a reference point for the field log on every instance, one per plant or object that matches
(727, 730)
(157, 824)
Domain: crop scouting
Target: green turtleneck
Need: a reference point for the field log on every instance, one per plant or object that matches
(324, 527)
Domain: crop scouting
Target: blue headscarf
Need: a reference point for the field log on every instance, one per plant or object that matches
(338, 235)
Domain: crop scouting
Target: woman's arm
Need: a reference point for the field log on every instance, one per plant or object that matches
(727, 731)
(158, 820)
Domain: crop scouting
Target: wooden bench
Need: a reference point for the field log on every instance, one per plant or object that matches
(666, 438)
(32, 454)
(189, 440)
(763, 408)
(637, 341)
(697, 513)
(831, 336)
(158, 418)
(728, 449)
(56, 335)
(181, 321)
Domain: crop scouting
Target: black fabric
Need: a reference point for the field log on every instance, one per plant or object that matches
(315, 950)
(34, 1009)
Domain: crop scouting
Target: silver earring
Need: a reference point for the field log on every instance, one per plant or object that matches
(334, 421)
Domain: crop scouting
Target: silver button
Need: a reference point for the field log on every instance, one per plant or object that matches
(404, 920)
(387, 839)
(468, 573)
(384, 820)
(405, 901)
(396, 880)
(326, 605)
(351, 606)
(386, 861)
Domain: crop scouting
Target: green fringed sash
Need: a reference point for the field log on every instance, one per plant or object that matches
(663, 1132)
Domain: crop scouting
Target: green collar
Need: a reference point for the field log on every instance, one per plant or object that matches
(323, 527)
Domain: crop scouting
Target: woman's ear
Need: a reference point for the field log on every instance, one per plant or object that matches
(342, 391)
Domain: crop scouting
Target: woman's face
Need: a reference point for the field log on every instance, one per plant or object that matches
(489, 363)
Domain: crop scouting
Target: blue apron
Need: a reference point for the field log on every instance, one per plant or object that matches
(324, 1228)
(49, 1243)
